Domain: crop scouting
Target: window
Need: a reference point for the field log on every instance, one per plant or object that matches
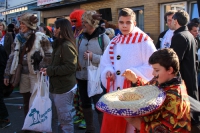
(51, 21)
(139, 12)
(194, 10)
(170, 6)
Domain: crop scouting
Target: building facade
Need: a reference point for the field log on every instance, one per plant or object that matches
(2, 8)
(149, 14)
(53, 9)
(14, 8)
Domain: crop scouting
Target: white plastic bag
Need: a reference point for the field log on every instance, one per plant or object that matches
(34, 93)
(94, 83)
(39, 117)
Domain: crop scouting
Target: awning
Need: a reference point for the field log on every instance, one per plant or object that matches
(58, 5)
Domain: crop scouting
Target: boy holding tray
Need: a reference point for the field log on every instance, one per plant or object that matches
(174, 114)
(129, 50)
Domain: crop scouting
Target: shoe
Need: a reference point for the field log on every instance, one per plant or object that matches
(76, 119)
(82, 124)
(4, 123)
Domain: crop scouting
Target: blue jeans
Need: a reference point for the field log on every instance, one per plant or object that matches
(62, 105)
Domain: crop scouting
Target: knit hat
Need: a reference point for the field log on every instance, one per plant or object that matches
(29, 20)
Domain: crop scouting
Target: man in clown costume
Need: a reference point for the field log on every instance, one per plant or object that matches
(75, 18)
(130, 50)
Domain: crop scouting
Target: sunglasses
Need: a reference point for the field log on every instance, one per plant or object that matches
(107, 34)
(74, 21)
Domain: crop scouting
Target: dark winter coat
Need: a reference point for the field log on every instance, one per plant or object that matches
(63, 67)
(185, 46)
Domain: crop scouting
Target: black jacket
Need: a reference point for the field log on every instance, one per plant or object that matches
(160, 36)
(5, 51)
(185, 47)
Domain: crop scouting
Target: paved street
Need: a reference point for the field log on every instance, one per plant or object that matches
(15, 108)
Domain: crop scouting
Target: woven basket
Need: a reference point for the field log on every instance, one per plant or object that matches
(149, 98)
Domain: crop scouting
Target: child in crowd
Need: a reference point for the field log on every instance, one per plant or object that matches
(174, 115)
(129, 50)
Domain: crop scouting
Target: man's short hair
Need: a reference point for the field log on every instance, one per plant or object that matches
(195, 20)
(127, 12)
(191, 25)
(170, 12)
(167, 58)
(182, 17)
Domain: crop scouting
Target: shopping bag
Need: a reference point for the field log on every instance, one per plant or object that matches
(94, 83)
(36, 86)
(39, 117)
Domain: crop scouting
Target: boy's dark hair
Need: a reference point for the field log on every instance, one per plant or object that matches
(166, 58)
(170, 12)
(127, 12)
(182, 17)
(191, 25)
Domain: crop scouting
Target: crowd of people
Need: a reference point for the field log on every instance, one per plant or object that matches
(122, 51)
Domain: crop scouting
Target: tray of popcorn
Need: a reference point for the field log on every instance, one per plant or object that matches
(132, 102)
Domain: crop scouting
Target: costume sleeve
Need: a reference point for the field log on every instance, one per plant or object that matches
(69, 62)
(96, 57)
(173, 113)
(105, 66)
(145, 70)
(141, 82)
(179, 45)
(47, 48)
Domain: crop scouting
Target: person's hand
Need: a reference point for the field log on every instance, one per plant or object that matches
(97, 16)
(44, 70)
(85, 55)
(130, 75)
(6, 82)
(110, 75)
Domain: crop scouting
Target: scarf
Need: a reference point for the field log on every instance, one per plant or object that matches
(23, 37)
